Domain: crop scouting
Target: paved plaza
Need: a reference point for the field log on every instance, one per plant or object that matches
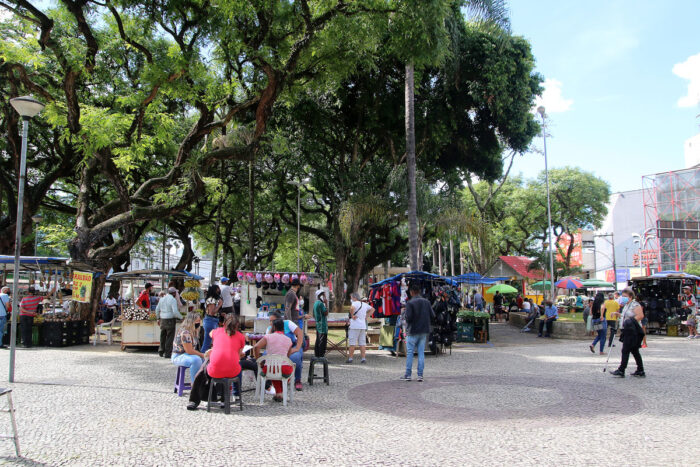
(517, 401)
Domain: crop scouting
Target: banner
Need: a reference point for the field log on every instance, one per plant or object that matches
(82, 286)
(563, 243)
(623, 275)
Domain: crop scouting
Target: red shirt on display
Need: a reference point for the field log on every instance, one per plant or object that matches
(144, 300)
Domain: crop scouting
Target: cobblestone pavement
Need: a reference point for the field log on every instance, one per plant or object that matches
(518, 401)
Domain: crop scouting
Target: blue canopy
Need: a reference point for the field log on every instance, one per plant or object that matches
(146, 273)
(476, 278)
(674, 275)
(418, 275)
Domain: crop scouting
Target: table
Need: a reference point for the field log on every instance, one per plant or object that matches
(340, 346)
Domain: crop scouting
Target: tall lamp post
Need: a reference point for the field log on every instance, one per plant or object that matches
(299, 184)
(27, 107)
(36, 219)
(540, 110)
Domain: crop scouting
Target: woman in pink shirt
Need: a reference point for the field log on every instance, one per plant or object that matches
(276, 343)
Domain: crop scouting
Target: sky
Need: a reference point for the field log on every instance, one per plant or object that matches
(622, 84)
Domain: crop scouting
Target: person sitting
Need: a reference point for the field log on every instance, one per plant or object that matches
(551, 313)
(276, 343)
(185, 351)
(223, 360)
(532, 316)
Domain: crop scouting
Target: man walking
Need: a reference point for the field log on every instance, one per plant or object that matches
(226, 296)
(166, 314)
(418, 316)
(321, 317)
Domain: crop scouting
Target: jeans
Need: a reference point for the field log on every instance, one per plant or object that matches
(548, 323)
(193, 362)
(3, 325)
(626, 351)
(298, 359)
(601, 338)
(612, 325)
(209, 324)
(412, 342)
(480, 306)
(167, 335)
(26, 322)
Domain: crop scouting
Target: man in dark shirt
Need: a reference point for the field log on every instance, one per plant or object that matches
(418, 316)
(291, 302)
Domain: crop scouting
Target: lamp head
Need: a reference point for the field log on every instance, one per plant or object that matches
(26, 106)
(540, 110)
(37, 218)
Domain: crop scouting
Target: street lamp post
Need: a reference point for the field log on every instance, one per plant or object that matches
(36, 219)
(299, 184)
(27, 107)
(540, 110)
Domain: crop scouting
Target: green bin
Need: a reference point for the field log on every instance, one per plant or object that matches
(465, 332)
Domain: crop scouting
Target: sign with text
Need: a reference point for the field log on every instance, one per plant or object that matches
(623, 275)
(82, 286)
(564, 242)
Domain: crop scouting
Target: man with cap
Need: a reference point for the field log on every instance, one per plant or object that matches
(291, 301)
(167, 313)
(321, 317)
(226, 296)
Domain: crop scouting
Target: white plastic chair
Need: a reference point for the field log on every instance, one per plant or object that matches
(274, 365)
(106, 329)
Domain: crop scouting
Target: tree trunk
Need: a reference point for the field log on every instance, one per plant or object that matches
(251, 215)
(411, 163)
(339, 280)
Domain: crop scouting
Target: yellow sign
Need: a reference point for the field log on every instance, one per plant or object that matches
(82, 286)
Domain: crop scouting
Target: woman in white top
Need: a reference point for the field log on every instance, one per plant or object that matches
(357, 331)
(632, 335)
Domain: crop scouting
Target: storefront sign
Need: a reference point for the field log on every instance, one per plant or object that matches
(82, 286)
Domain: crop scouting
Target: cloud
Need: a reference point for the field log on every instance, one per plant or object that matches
(690, 70)
(552, 98)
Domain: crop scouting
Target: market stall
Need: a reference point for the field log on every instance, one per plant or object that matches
(659, 295)
(59, 325)
(139, 326)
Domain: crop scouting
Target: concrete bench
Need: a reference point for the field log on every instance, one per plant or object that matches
(560, 329)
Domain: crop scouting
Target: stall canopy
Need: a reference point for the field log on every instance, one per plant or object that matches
(34, 263)
(674, 275)
(476, 278)
(417, 275)
(149, 273)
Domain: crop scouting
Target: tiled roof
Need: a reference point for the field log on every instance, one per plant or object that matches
(520, 265)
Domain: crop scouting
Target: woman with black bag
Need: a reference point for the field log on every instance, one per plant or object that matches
(600, 326)
(632, 335)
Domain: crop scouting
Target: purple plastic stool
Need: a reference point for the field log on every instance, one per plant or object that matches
(180, 384)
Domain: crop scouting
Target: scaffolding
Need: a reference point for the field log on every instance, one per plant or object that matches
(671, 238)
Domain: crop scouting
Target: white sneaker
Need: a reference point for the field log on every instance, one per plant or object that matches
(525, 330)
(271, 391)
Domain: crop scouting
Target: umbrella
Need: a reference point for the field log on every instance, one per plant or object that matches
(503, 288)
(541, 285)
(596, 284)
(569, 283)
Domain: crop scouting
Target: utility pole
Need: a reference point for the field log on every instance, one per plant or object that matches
(452, 257)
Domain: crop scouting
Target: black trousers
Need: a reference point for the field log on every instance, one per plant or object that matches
(626, 351)
(612, 327)
(202, 381)
(320, 345)
(26, 323)
(548, 323)
(167, 336)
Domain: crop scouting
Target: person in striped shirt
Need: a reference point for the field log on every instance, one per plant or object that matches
(27, 311)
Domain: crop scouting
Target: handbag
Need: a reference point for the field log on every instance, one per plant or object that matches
(598, 325)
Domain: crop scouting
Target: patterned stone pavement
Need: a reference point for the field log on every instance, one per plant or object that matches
(517, 401)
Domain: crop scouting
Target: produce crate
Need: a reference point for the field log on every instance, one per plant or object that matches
(465, 332)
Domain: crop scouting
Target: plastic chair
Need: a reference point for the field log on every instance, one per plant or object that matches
(180, 382)
(274, 365)
(106, 329)
(11, 410)
(226, 382)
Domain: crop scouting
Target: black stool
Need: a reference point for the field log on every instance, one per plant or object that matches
(226, 382)
(11, 410)
(312, 374)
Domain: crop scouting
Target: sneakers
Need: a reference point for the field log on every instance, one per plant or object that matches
(160, 354)
(349, 361)
(591, 347)
(525, 329)
(271, 391)
(618, 373)
(363, 362)
(420, 379)
(405, 378)
(639, 374)
(298, 386)
(539, 335)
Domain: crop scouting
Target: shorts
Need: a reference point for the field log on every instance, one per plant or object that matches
(357, 337)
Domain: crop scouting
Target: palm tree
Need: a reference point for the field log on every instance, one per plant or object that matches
(490, 13)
